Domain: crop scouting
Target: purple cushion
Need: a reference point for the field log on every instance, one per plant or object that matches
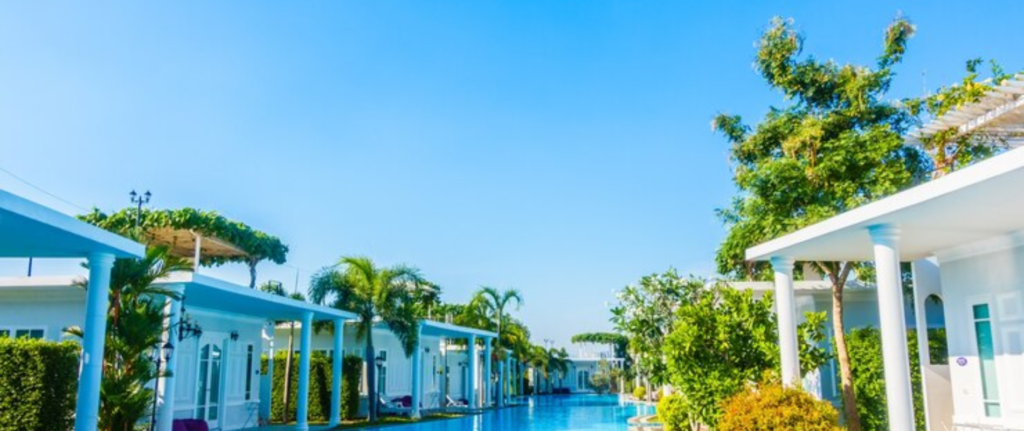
(178, 425)
(196, 425)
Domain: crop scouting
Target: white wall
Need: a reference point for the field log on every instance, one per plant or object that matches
(995, 278)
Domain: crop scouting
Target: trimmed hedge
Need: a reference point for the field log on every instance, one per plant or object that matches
(672, 413)
(38, 383)
(865, 346)
(319, 387)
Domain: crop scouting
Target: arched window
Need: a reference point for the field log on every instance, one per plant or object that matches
(935, 318)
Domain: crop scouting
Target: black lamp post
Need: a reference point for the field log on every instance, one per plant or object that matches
(379, 360)
(139, 201)
(160, 356)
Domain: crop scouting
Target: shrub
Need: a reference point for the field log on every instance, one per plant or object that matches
(865, 346)
(672, 413)
(774, 408)
(352, 372)
(38, 383)
(639, 392)
(319, 387)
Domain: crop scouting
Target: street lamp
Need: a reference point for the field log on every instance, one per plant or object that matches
(139, 201)
(160, 356)
(379, 360)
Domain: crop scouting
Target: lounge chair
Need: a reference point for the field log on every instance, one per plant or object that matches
(399, 406)
(462, 403)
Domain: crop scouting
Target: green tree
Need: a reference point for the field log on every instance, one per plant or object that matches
(135, 324)
(604, 379)
(835, 145)
(374, 294)
(645, 313)
(494, 303)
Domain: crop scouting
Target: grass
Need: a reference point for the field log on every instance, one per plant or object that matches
(394, 420)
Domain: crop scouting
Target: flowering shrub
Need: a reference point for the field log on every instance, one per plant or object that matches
(672, 413)
(639, 392)
(775, 408)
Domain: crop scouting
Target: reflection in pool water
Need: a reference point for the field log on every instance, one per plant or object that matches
(594, 413)
(546, 413)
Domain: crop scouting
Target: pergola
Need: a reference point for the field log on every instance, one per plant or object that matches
(447, 330)
(28, 229)
(998, 116)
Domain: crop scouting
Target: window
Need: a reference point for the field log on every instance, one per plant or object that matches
(248, 372)
(33, 333)
(987, 359)
(4, 333)
(938, 350)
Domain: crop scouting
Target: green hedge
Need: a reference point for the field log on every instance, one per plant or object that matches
(38, 383)
(319, 387)
(865, 346)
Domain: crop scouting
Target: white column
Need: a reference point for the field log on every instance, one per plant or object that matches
(225, 371)
(927, 281)
(95, 332)
(302, 401)
(165, 412)
(471, 359)
(786, 312)
(487, 373)
(417, 374)
(339, 356)
(267, 381)
(894, 328)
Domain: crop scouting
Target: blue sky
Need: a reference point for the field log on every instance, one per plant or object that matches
(560, 147)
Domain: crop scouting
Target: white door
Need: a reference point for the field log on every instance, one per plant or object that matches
(209, 380)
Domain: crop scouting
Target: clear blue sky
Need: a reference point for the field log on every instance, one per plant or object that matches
(559, 147)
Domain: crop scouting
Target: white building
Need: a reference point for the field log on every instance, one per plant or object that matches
(964, 234)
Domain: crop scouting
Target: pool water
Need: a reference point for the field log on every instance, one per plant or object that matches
(546, 413)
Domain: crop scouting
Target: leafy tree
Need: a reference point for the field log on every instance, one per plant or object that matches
(494, 302)
(645, 313)
(835, 145)
(374, 294)
(277, 289)
(135, 324)
(950, 149)
(605, 378)
(258, 246)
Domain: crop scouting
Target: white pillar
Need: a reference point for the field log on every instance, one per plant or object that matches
(487, 373)
(417, 374)
(302, 401)
(165, 412)
(97, 302)
(225, 371)
(336, 377)
(267, 381)
(786, 312)
(471, 359)
(894, 328)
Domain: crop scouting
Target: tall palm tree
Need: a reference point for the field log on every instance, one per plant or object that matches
(374, 294)
(494, 303)
(278, 289)
(558, 362)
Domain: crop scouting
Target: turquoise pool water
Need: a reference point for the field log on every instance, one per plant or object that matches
(547, 413)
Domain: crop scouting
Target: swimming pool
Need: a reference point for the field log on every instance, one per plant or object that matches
(546, 413)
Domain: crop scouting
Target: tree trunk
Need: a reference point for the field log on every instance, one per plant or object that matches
(252, 274)
(288, 372)
(372, 403)
(842, 353)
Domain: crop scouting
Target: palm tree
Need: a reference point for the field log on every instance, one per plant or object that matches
(494, 302)
(374, 294)
(135, 324)
(558, 362)
(277, 289)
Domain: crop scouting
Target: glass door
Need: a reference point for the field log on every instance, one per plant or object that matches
(208, 395)
(983, 334)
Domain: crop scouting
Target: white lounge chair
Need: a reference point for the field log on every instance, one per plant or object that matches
(454, 403)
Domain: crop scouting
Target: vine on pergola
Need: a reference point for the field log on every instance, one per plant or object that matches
(257, 246)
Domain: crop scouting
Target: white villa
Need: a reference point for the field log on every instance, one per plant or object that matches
(217, 332)
(964, 234)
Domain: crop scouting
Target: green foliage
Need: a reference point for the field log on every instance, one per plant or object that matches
(774, 408)
(376, 295)
(722, 340)
(645, 313)
(351, 372)
(135, 324)
(319, 387)
(811, 334)
(938, 347)
(950, 149)
(835, 145)
(639, 392)
(38, 382)
(672, 413)
(603, 380)
(869, 378)
(258, 246)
